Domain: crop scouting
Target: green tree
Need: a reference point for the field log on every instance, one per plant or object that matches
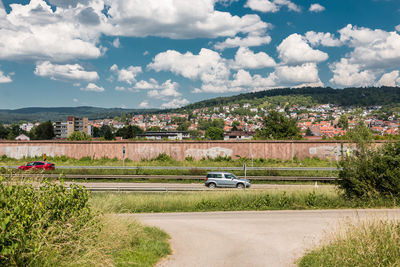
(343, 122)
(235, 125)
(153, 129)
(3, 132)
(184, 126)
(214, 133)
(108, 134)
(44, 131)
(277, 126)
(128, 132)
(309, 132)
(79, 136)
(195, 133)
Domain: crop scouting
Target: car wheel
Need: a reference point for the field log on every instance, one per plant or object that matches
(211, 185)
(240, 186)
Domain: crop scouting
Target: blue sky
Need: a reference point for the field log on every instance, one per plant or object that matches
(161, 54)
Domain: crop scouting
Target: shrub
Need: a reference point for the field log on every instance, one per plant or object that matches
(38, 222)
(163, 157)
(371, 172)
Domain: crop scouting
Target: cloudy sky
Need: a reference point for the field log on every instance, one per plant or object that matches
(168, 53)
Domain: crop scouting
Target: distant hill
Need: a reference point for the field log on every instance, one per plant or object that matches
(61, 113)
(358, 97)
(361, 97)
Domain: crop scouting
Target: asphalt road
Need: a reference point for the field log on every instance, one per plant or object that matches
(260, 238)
(111, 186)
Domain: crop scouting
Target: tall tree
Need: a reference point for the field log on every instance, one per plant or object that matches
(214, 133)
(343, 122)
(44, 131)
(279, 127)
(3, 132)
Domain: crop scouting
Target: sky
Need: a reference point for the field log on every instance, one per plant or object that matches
(169, 53)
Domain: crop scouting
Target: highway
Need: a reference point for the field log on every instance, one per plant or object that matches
(254, 238)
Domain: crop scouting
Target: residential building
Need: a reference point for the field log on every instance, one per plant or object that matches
(73, 124)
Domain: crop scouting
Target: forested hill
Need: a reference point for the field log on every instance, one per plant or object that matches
(369, 96)
(61, 113)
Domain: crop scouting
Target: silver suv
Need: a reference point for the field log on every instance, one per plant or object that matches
(225, 179)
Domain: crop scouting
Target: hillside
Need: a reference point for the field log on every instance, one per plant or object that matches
(61, 113)
(383, 96)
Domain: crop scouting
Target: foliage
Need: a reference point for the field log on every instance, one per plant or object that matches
(3, 132)
(205, 124)
(343, 122)
(375, 243)
(214, 133)
(79, 136)
(44, 131)
(371, 171)
(107, 132)
(37, 221)
(277, 126)
(369, 96)
(153, 129)
(184, 126)
(233, 200)
(128, 132)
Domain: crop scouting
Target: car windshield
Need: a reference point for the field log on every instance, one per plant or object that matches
(29, 164)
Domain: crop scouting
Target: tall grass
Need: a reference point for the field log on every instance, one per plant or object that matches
(165, 160)
(231, 201)
(47, 224)
(371, 243)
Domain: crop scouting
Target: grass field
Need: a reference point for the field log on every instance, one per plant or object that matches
(373, 243)
(232, 200)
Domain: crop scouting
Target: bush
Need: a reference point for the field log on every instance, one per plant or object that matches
(41, 225)
(163, 157)
(371, 172)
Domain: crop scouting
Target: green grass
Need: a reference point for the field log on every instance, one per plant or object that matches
(374, 243)
(131, 244)
(217, 162)
(232, 200)
(190, 172)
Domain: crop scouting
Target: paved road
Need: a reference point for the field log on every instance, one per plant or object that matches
(110, 186)
(263, 238)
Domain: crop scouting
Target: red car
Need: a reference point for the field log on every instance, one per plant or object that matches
(38, 165)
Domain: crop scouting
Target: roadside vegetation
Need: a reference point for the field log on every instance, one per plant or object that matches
(373, 243)
(233, 200)
(46, 224)
(165, 160)
(370, 173)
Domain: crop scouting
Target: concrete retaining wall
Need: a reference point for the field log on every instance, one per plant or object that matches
(137, 150)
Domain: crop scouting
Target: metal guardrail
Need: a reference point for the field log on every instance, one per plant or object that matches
(166, 177)
(194, 168)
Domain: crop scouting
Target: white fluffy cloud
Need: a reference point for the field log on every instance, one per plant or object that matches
(271, 5)
(374, 50)
(250, 40)
(245, 58)
(208, 65)
(93, 88)
(320, 38)
(35, 31)
(175, 103)
(116, 43)
(389, 79)
(295, 49)
(4, 78)
(316, 8)
(144, 104)
(127, 75)
(348, 74)
(166, 90)
(64, 72)
(397, 28)
(177, 19)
